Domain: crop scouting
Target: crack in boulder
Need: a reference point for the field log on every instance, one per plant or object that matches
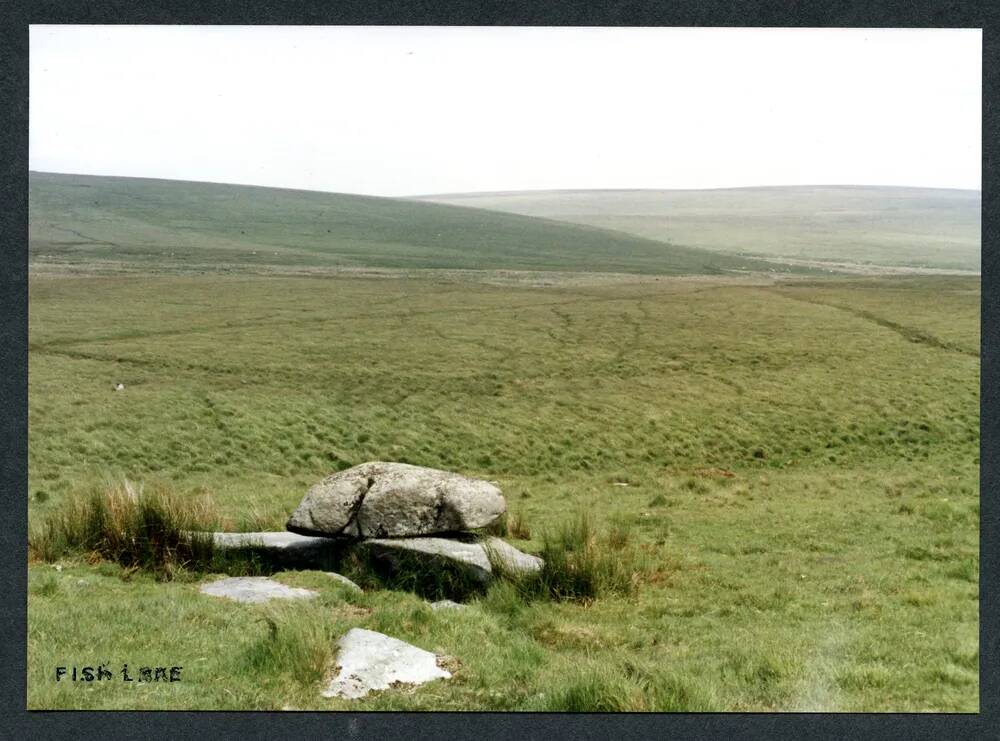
(353, 526)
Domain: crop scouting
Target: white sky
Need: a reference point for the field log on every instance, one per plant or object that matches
(419, 110)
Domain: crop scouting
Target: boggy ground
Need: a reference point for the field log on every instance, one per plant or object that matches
(801, 461)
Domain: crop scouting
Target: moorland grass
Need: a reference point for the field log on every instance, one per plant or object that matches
(799, 482)
(627, 688)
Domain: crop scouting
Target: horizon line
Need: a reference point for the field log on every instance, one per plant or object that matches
(473, 193)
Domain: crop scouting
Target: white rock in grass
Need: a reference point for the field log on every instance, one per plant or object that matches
(373, 661)
(254, 589)
(447, 604)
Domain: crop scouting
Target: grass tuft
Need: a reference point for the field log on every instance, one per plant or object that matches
(124, 523)
(580, 565)
(517, 527)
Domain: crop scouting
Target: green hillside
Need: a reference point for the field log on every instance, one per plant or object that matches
(79, 220)
(913, 227)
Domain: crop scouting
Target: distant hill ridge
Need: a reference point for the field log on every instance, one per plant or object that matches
(885, 225)
(808, 187)
(165, 224)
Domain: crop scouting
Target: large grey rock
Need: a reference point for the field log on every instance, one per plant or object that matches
(379, 500)
(471, 557)
(373, 661)
(254, 589)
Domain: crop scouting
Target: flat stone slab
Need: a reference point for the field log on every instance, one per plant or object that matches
(280, 540)
(277, 540)
(374, 661)
(447, 604)
(254, 589)
(471, 556)
(282, 546)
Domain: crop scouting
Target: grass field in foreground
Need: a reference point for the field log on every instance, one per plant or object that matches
(801, 462)
(925, 227)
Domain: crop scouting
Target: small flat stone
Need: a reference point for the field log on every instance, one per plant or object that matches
(253, 589)
(373, 661)
(447, 604)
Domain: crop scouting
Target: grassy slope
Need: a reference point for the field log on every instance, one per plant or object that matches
(174, 225)
(837, 569)
(889, 226)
